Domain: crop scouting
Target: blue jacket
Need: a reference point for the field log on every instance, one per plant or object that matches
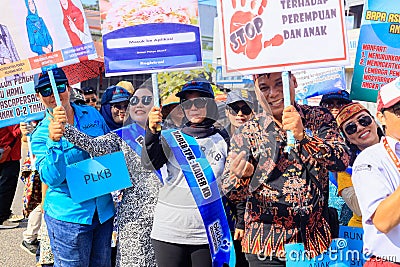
(51, 161)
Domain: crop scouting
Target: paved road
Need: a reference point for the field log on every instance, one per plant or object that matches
(11, 255)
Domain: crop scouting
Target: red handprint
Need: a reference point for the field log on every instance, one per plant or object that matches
(246, 30)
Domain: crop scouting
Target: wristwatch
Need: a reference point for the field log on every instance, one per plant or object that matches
(308, 135)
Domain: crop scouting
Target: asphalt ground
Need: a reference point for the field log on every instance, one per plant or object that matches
(11, 255)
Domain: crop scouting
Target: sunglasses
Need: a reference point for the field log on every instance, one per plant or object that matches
(120, 107)
(234, 109)
(331, 105)
(146, 100)
(48, 91)
(198, 103)
(364, 121)
(91, 100)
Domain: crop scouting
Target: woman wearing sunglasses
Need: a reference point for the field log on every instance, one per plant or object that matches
(360, 131)
(179, 236)
(136, 204)
(114, 103)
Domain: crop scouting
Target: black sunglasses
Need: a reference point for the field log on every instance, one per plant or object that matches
(332, 104)
(120, 106)
(146, 100)
(198, 103)
(234, 109)
(48, 91)
(364, 121)
(91, 100)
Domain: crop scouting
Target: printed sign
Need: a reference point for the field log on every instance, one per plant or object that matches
(354, 238)
(335, 256)
(378, 50)
(144, 36)
(18, 102)
(91, 178)
(316, 82)
(42, 34)
(269, 36)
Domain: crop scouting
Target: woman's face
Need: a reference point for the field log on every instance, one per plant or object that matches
(195, 107)
(118, 111)
(64, 4)
(32, 7)
(140, 105)
(361, 130)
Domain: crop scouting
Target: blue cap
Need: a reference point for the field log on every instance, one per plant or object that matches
(119, 94)
(339, 95)
(203, 87)
(43, 79)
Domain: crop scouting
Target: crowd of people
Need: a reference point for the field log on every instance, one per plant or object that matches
(342, 170)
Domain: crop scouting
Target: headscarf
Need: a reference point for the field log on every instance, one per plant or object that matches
(33, 17)
(76, 15)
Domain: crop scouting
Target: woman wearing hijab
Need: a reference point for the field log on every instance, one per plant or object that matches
(113, 106)
(136, 208)
(39, 37)
(179, 236)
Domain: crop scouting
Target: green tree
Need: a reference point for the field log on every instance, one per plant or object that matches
(171, 82)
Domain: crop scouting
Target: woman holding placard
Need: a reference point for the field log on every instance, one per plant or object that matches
(135, 212)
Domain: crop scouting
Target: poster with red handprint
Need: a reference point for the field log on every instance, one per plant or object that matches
(267, 36)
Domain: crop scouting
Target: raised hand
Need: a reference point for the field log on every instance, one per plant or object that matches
(155, 118)
(60, 115)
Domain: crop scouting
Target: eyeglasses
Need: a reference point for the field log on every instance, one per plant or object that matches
(146, 100)
(120, 106)
(364, 121)
(234, 109)
(48, 91)
(331, 105)
(198, 103)
(88, 100)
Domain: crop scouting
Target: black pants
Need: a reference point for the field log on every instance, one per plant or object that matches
(9, 171)
(240, 256)
(178, 255)
(264, 261)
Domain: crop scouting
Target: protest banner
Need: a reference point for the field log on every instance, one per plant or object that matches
(18, 102)
(282, 35)
(98, 176)
(144, 37)
(378, 50)
(39, 35)
(354, 239)
(316, 82)
(335, 256)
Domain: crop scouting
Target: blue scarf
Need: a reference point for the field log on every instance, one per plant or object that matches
(203, 185)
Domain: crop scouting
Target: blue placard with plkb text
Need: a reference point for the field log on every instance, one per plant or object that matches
(98, 176)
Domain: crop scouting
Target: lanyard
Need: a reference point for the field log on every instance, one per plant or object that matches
(391, 153)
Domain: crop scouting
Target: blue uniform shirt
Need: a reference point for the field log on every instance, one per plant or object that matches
(51, 161)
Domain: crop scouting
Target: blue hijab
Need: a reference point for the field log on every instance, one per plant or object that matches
(33, 17)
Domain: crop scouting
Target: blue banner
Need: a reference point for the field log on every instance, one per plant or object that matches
(354, 238)
(335, 256)
(152, 47)
(18, 102)
(317, 82)
(203, 185)
(98, 176)
(378, 50)
(133, 135)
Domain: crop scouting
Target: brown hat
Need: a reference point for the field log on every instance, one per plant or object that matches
(348, 111)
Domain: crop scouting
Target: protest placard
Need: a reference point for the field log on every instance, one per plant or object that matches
(378, 50)
(144, 37)
(282, 35)
(37, 35)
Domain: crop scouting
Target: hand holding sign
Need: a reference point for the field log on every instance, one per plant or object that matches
(291, 121)
(240, 167)
(56, 126)
(59, 114)
(155, 118)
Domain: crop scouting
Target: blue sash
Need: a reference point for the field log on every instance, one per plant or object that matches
(133, 135)
(203, 185)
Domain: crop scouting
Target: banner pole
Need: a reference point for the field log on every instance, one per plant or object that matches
(286, 96)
